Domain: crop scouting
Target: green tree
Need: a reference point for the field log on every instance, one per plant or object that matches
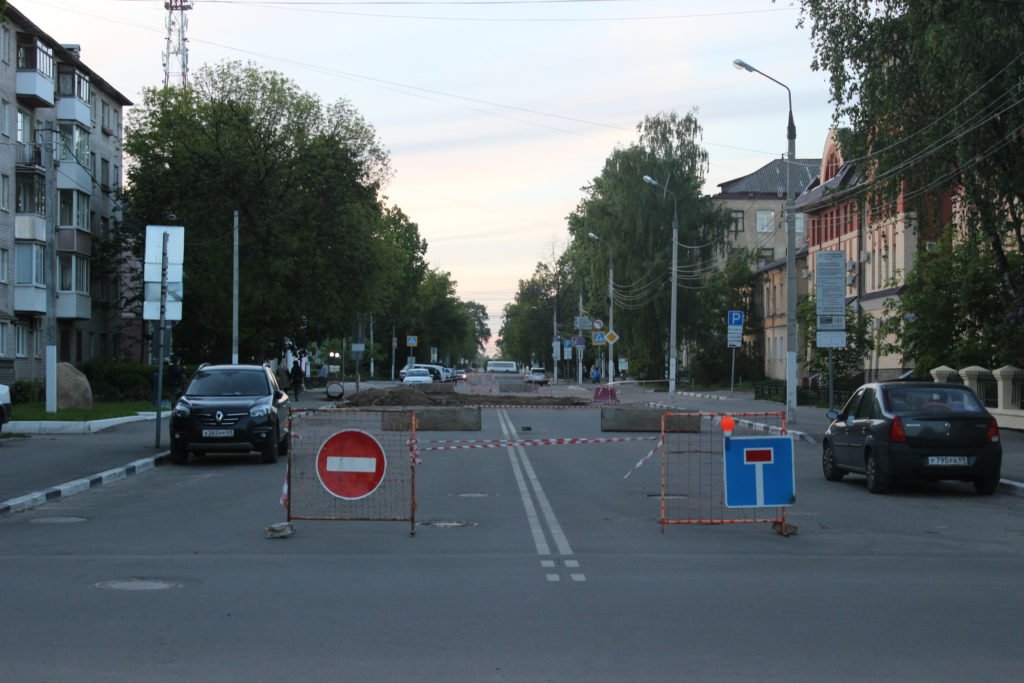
(932, 92)
(633, 223)
(951, 311)
(304, 178)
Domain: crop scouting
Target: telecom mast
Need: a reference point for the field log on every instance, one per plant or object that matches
(176, 51)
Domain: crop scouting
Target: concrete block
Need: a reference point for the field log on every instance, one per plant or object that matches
(629, 419)
(515, 388)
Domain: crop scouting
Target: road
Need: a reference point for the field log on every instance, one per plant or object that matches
(529, 564)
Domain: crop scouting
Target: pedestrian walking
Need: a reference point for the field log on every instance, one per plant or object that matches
(296, 378)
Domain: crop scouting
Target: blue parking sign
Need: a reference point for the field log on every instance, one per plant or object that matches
(759, 471)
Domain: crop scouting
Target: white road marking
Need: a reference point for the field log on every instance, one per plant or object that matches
(539, 540)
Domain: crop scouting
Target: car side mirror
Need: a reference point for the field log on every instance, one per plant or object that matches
(278, 394)
(832, 414)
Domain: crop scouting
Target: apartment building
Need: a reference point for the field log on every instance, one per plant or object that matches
(757, 203)
(60, 169)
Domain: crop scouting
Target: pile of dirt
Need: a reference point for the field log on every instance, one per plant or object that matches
(410, 396)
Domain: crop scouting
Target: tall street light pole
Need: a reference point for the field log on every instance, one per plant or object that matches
(611, 309)
(791, 332)
(673, 346)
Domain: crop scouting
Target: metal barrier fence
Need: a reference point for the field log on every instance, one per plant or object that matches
(692, 469)
(352, 465)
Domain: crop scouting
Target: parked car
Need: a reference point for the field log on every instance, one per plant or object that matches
(461, 374)
(230, 408)
(5, 405)
(537, 376)
(417, 376)
(913, 430)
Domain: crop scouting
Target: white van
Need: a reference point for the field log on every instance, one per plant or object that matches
(502, 366)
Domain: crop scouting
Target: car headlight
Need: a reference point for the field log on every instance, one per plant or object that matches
(261, 410)
(182, 409)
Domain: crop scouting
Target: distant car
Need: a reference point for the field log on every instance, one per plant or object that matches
(417, 376)
(460, 374)
(5, 405)
(537, 376)
(913, 430)
(230, 408)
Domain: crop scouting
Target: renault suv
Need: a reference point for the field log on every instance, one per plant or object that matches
(230, 408)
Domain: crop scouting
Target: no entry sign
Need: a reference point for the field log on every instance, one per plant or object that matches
(351, 464)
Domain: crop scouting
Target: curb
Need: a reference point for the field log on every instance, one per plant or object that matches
(71, 426)
(1013, 488)
(70, 488)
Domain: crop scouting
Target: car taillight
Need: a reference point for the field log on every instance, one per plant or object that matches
(992, 436)
(896, 432)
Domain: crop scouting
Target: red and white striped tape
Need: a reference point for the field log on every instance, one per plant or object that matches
(647, 457)
(463, 444)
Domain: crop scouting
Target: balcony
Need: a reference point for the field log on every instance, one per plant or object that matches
(34, 89)
(73, 109)
(30, 299)
(30, 157)
(74, 305)
(70, 239)
(74, 176)
(30, 226)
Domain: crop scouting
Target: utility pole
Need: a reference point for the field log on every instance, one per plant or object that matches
(234, 297)
(50, 268)
(579, 349)
(611, 316)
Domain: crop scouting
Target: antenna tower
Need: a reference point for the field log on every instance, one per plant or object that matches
(176, 51)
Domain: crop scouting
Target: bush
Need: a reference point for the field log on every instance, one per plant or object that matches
(116, 381)
(27, 391)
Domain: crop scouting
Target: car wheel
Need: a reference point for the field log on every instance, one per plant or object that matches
(877, 482)
(179, 456)
(986, 486)
(271, 449)
(828, 463)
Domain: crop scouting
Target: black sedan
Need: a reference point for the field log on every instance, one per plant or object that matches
(913, 430)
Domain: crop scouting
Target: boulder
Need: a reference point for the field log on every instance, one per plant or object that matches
(73, 390)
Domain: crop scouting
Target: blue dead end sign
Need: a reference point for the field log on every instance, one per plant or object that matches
(759, 471)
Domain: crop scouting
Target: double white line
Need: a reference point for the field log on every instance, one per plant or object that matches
(526, 479)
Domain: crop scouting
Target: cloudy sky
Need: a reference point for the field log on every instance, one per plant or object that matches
(495, 112)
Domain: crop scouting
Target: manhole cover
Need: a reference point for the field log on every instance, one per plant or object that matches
(57, 520)
(138, 585)
(446, 525)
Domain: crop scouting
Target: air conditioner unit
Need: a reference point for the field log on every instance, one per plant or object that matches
(851, 280)
(851, 266)
(865, 256)
(931, 246)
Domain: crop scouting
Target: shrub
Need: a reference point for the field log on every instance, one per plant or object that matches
(27, 391)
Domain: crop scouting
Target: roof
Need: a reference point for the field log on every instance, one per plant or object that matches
(770, 179)
(65, 55)
(838, 187)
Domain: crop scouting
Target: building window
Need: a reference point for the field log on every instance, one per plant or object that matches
(21, 333)
(24, 127)
(765, 221)
(76, 143)
(74, 210)
(65, 275)
(801, 223)
(5, 264)
(29, 264)
(765, 255)
(5, 192)
(5, 332)
(5, 45)
(82, 279)
(105, 174)
(5, 118)
(34, 55)
(37, 335)
(737, 220)
(115, 177)
(30, 194)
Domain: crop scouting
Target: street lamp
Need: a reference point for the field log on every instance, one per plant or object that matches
(791, 335)
(611, 308)
(672, 345)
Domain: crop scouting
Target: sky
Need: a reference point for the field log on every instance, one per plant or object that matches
(495, 113)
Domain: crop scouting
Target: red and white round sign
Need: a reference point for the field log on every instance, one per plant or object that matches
(351, 464)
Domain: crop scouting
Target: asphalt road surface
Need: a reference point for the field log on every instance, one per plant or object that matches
(529, 564)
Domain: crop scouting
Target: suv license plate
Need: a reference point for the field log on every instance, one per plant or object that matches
(947, 460)
(215, 433)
